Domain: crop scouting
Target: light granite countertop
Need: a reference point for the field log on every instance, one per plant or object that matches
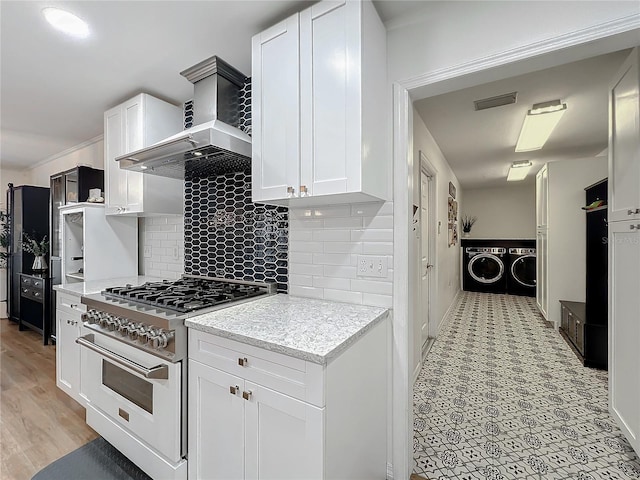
(309, 329)
(96, 286)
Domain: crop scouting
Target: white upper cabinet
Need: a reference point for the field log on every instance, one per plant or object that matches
(542, 197)
(624, 142)
(137, 123)
(319, 107)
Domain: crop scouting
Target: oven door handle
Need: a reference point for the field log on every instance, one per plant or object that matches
(160, 372)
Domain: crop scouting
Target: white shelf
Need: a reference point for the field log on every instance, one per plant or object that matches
(77, 275)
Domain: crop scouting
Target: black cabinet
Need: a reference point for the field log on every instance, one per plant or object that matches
(28, 209)
(35, 312)
(584, 324)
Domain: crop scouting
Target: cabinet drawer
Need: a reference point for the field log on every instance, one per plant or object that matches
(294, 377)
(70, 304)
(32, 293)
(34, 283)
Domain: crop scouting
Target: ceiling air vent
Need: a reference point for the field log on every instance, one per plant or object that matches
(500, 100)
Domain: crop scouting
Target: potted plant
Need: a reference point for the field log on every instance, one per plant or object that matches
(5, 236)
(38, 248)
(467, 223)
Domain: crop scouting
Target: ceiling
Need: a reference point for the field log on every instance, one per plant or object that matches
(479, 146)
(54, 89)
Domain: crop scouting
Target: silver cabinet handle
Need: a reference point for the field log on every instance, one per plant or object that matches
(633, 227)
(633, 211)
(247, 395)
(160, 372)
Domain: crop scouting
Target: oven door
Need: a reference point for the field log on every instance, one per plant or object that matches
(136, 390)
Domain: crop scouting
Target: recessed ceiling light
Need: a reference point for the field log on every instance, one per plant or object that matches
(66, 22)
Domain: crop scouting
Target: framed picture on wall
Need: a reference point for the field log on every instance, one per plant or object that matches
(451, 214)
(452, 190)
(453, 234)
(455, 211)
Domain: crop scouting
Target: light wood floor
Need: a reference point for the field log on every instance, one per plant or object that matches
(38, 422)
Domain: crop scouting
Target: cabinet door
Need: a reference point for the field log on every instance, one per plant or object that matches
(284, 437)
(542, 283)
(276, 111)
(115, 179)
(330, 92)
(624, 328)
(624, 141)
(133, 139)
(216, 424)
(68, 353)
(542, 193)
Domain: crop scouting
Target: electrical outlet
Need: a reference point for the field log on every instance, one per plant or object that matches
(372, 266)
(147, 252)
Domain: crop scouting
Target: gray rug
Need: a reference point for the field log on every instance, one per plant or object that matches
(97, 460)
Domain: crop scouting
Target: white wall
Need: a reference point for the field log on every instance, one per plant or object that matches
(567, 229)
(90, 154)
(452, 33)
(323, 247)
(503, 212)
(447, 258)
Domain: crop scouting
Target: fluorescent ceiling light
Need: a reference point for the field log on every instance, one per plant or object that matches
(518, 171)
(66, 22)
(538, 125)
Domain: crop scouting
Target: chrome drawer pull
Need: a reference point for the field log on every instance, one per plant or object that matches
(243, 362)
(160, 372)
(246, 395)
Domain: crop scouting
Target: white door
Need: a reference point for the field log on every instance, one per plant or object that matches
(216, 424)
(330, 97)
(624, 327)
(543, 282)
(624, 141)
(426, 263)
(276, 111)
(284, 437)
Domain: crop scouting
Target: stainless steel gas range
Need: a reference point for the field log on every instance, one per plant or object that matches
(134, 364)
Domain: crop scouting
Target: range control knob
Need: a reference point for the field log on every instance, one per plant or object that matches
(123, 328)
(133, 332)
(162, 339)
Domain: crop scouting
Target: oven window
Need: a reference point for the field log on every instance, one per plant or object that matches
(127, 385)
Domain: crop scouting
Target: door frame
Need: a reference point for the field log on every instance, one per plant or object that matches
(573, 46)
(431, 171)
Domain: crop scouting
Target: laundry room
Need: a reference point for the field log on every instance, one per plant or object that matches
(522, 215)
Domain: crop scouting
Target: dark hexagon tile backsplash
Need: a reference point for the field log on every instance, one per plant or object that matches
(226, 234)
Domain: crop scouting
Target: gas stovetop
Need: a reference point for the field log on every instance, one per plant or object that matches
(151, 316)
(190, 293)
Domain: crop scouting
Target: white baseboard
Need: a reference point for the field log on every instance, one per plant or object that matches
(3, 310)
(446, 314)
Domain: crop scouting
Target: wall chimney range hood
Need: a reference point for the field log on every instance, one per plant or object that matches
(215, 136)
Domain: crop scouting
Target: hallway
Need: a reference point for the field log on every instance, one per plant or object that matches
(502, 396)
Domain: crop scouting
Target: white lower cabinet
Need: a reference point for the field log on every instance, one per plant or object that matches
(266, 435)
(256, 414)
(69, 312)
(624, 327)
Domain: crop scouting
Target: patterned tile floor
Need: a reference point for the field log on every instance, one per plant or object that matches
(501, 396)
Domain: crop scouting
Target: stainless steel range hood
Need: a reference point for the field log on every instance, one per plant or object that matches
(215, 138)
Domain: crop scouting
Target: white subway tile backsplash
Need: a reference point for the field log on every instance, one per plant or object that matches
(334, 259)
(345, 222)
(338, 271)
(165, 236)
(371, 209)
(343, 231)
(382, 286)
(377, 248)
(330, 282)
(372, 235)
(377, 300)
(312, 247)
(342, 247)
(309, 292)
(300, 257)
(331, 235)
(301, 280)
(342, 296)
(306, 269)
